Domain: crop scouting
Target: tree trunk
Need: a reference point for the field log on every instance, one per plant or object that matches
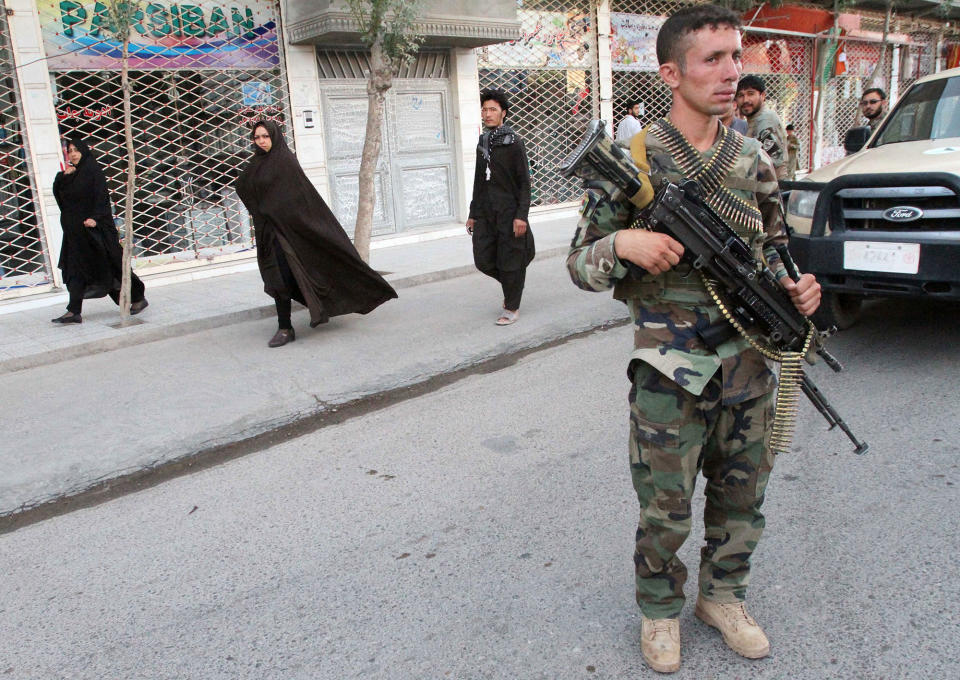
(379, 81)
(131, 183)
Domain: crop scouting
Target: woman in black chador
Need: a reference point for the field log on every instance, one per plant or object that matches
(91, 256)
(303, 252)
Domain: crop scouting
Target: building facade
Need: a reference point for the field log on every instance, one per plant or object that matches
(201, 71)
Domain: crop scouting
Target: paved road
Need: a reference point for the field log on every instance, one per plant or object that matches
(484, 530)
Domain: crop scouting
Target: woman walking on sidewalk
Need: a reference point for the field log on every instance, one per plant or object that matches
(302, 251)
(91, 256)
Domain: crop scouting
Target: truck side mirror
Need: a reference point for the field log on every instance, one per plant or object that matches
(856, 138)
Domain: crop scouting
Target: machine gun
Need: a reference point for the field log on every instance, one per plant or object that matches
(753, 298)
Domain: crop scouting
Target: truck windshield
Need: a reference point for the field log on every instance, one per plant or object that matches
(928, 111)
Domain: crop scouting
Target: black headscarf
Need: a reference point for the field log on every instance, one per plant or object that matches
(288, 213)
(84, 191)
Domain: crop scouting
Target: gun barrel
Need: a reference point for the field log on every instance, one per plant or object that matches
(826, 409)
(829, 359)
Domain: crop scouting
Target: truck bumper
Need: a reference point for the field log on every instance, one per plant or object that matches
(938, 276)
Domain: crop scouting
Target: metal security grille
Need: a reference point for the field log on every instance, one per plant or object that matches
(784, 62)
(550, 76)
(193, 103)
(841, 93)
(23, 263)
(355, 64)
(634, 25)
(916, 60)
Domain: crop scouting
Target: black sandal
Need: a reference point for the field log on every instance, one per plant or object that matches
(69, 317)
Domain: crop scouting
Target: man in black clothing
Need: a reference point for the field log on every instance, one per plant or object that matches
(502, 240)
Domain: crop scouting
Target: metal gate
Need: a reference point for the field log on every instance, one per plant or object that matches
(200, 74)
(415, 180)
(841, 93)
(634, 25)
(550, 74)
(23, 260)
(917, 60)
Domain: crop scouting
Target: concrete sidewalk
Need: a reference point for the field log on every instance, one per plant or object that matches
(85, 410)
(28, 339)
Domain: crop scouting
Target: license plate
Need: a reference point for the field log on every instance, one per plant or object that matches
(870, 256)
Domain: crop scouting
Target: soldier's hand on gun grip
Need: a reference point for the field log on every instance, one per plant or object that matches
(519, 228)
(653, 251)
(805, 293)
(470, 223)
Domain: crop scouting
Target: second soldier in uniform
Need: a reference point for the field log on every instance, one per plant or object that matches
(763, 123)
(692, 409)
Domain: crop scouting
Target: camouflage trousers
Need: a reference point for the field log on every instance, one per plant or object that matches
(673, 436)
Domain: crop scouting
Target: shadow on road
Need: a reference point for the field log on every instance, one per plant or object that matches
(917, 318)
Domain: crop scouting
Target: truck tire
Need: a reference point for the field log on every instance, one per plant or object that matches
(837, 309)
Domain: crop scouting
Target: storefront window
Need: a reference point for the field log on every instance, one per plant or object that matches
(195, 90)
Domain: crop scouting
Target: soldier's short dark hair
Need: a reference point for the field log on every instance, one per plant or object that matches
(673, 41)
(880, 93)
(499, 96)
(631, 103)
(790, 127)
(752, 82)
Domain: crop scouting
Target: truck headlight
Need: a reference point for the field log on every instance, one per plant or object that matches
(802, 203)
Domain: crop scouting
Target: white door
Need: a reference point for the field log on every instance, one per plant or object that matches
(345, 126)
(422, 152)
(415, 178)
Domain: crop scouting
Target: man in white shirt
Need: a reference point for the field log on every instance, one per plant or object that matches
(630, 125)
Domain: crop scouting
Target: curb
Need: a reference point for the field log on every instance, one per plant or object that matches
(156, 333)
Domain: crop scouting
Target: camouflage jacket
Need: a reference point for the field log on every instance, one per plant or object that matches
(668, 309)
(766, 128)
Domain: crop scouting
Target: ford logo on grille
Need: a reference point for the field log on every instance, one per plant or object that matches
(902, 213)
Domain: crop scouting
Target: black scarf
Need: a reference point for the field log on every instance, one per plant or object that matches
(499, 136)
(83, 191)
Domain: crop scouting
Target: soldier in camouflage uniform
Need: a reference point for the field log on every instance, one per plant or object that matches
(763, 123)
(691, 408)
(793, 151)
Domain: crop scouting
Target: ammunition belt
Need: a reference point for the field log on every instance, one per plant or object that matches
(710, 175)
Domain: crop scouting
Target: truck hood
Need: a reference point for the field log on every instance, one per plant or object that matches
(931, 155)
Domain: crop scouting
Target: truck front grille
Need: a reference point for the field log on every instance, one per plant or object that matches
(930, 208)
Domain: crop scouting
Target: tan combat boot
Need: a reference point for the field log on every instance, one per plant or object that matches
(660, 644)
(741, 633)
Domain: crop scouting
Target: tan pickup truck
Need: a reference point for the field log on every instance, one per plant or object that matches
(885, 220)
